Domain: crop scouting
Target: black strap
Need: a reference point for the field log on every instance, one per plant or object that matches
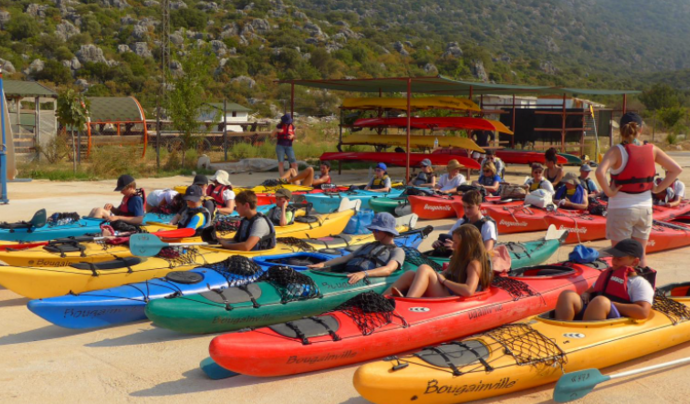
(633, 180)
(298, 332)
(456, 371)
(245, 289)
(488, 367)
(332, 333)
(228, 307)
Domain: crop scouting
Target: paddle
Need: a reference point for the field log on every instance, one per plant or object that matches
(671, 225)
(572, 386)
(148, 245)
(215, 371)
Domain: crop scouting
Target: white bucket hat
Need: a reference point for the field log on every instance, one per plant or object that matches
(222, 177)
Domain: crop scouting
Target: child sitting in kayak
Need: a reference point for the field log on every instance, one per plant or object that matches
(282, 214)
(489, 180)
(500, 165)
(255, 232)
(381, 181)
(469, 270)
(378, 259)
(163, 201)
(426, 177)
(618, 292)
(571, 195)
(307, 177)
(671, 196)
(221, 191)
(538, 181)
(194, 215)
(131, 209)
(554, 173)
(207, 202)
(449, 183)
(471, 202)
(587, 183)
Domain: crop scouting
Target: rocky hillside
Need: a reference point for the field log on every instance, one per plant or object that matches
(111, 47)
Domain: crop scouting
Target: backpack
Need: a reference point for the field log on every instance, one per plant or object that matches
(511, 191)
(583, 255)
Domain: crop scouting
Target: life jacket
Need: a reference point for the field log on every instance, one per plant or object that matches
(274, 214)
(638, 174)
(266, 242)
(371, 256)
(535, 186)
(188, 214)
(216, 192)
(285, 132)
(614, 284)
(587, 185)
(123, 209)
(486, 181)
(423, 178)
(669, 194)
(479, 224)
(379, 183)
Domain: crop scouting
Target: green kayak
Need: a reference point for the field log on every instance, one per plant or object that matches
(387, 204)
(286, 295)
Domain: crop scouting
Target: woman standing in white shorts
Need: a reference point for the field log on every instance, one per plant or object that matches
(632, 170)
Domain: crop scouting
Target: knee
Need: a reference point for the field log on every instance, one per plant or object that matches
(425, 269)
(600, 301)
(310, 170)
(568, 296)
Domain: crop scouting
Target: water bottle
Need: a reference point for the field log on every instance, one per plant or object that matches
(435, 143)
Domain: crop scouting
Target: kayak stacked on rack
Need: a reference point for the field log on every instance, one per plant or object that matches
(523, 355)
(400, 159)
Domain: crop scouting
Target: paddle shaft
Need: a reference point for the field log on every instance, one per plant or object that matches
(184, 244)
(670, 225)
(650, 368)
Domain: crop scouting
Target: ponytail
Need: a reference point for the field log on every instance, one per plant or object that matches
(629, 132)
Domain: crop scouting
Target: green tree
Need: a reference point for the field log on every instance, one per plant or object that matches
(23, 26)
(186, 100)
(660, 96)
(55, 72)
(72, 113)
(671, 117)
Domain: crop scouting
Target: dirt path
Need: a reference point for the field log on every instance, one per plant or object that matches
(141, 363)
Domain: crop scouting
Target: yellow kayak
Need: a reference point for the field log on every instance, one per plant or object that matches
(523, 355)
(441, 102)
(42, 282)
(325, 225)
(260, 189)
(415, 141)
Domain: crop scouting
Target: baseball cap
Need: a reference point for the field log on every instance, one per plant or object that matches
(200, 179)
(382, 166)
(586, 168)
(630, 117)
(426, 163)
(123, 181)
(626, 248)
(193, 193)
(384, 221)
(490, 152)
(284, 192)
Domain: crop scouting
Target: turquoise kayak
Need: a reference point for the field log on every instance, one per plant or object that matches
(328, 202)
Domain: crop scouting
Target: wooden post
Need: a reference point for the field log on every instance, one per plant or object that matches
(512, 138)
(225, 128)
(37, 128)
(158, 133)
(409, 119)
(19, 114)
(563, 126)
(292, 100)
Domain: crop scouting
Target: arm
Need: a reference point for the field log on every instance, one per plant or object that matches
(610, 160)
(128, 219)
(465, 289)
(175, 219)
(637, 310)
(559, 177)
(373, 273)
(670, 165)
(284, 215)
(335, 261)
(489, 244)
(243, 246)
(573, 205)
(322, 180)
(228, 208)
(675, 202)
(492, 188)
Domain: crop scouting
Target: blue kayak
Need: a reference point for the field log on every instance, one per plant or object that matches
(127, 303)
(328, 202)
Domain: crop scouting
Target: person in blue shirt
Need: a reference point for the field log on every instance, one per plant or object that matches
(195, 215)
(130, 210)
(572, 195)
(587, 183)
(489, 180)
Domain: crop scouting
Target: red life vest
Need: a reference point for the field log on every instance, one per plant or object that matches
(123, 209)
(216, 192)
(638, 174)
(614, 284)
(287, 132)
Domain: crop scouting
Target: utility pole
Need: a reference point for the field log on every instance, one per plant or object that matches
(165, 67)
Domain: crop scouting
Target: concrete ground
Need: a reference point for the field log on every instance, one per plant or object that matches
(141, 363)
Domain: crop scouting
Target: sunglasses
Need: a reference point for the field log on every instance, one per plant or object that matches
(537, 171)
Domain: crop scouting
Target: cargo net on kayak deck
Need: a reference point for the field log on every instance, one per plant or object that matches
(291, 285)
(237, 270)
(225, 224)
(527, 345)
(515, 288)
(63, 218)
(369, 311)
(675, 311)
(178, 256)
(297, 243)
(414, 257)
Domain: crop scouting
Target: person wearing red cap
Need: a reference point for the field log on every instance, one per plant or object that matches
(130, 210)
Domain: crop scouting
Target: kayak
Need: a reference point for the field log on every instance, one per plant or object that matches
(584, 226)
(514, 217)
(62, 253)
(446, 206)
(259, 189)
(523, 355)
(436, 123)
(571, 159)
(669, 235)
(270, 198)
(400, 159)
(84, 225)
(284, 296)
(415, 141)
(126, 303)
(43, 282)
(386, 204)
(329, 201)
(371, 326)
(439, 102)
(509, 156)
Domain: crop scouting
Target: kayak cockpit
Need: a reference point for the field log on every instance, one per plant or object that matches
(541, 271)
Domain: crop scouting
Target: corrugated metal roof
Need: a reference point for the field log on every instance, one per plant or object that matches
(115, 109)
(232, 107)
(27, 89)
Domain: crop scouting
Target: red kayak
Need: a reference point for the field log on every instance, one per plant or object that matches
(509, 156)
(434, 207)
(669, 235)
(583, 226)
(514, 217)
(428, 123)
(400, 159)
(369, 326)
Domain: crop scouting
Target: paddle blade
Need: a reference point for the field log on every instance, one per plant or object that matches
(215, 371)
(145, 245)
(177, 233)
(39, 219)
(572, 386)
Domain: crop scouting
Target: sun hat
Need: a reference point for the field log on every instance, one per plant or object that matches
(384, 221)
(286, 119)
(193, 193)
(200, 179)
(382, 166)
(570, 178)
(123, 181)
(284, 192)
(453, 165)
(586, 168)
(626, 248)
(426, 163)
(222, 177)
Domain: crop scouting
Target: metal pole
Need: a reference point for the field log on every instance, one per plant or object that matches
(563, 126)
(512, 138)
(37, 129)
(158, 133)
(3, 149)
(409, 118)
(225, 128)
(292, 100)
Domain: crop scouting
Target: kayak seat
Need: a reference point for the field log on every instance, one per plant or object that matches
(240, 294)
(119, 263)
(296, 261)
(541, 270)
(456, 354)
(184, 277)
(63, 247)
(330, 251)
(307, 327)
(306, 219)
